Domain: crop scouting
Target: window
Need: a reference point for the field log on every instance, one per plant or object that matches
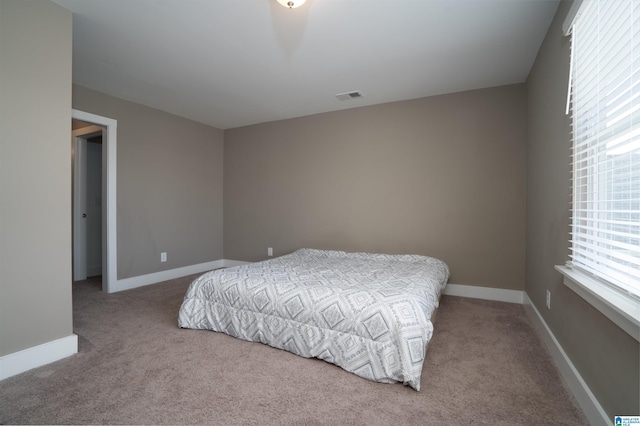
(605, 110)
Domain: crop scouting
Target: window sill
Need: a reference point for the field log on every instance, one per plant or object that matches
(622, 310)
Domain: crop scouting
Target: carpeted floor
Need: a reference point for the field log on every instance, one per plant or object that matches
(485, 365)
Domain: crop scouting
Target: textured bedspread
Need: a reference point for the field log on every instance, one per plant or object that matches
(367, 313)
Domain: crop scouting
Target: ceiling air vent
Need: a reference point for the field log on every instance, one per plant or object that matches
(349, 95)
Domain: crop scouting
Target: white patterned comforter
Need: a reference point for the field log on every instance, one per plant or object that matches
(367, 313)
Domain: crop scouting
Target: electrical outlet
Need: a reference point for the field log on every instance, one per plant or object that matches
(269, 251)
(163, 256)
(548, 299)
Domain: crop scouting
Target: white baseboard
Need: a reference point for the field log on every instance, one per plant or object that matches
(40, 355)
(229, 263)
(486, 293)
(585, 398)
(156, 277)
(37, 356)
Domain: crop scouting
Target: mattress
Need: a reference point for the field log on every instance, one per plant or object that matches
(369, 314)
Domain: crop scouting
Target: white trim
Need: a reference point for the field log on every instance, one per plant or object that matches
(37, 356)
(170, 274)
(230, 263)
(109, 158)
(622, 310)
(585, 398)
(486, 293)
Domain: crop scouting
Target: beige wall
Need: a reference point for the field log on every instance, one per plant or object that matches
(442, 176)
(35, 174)
(169, 185)
(607, 358)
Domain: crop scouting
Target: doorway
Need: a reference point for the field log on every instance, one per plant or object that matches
(87, 200)
(106, 128)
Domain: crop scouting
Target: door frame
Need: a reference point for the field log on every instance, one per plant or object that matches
(109, 196)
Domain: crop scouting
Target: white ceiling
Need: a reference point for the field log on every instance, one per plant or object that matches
(231, 63)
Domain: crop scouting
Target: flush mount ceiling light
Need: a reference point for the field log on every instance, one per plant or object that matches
(291, 4)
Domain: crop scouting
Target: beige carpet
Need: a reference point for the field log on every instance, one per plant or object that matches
(485, 365)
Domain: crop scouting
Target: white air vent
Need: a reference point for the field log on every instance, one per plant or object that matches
(349, 95)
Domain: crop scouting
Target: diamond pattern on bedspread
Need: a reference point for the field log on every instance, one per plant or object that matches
(367, 313)
(376, 326)
(333, 315)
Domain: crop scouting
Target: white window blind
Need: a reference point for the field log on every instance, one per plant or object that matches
(605, 108)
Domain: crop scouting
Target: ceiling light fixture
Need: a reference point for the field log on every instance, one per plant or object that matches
(291, 4)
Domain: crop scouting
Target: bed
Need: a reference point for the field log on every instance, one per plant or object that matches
(370, 314)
